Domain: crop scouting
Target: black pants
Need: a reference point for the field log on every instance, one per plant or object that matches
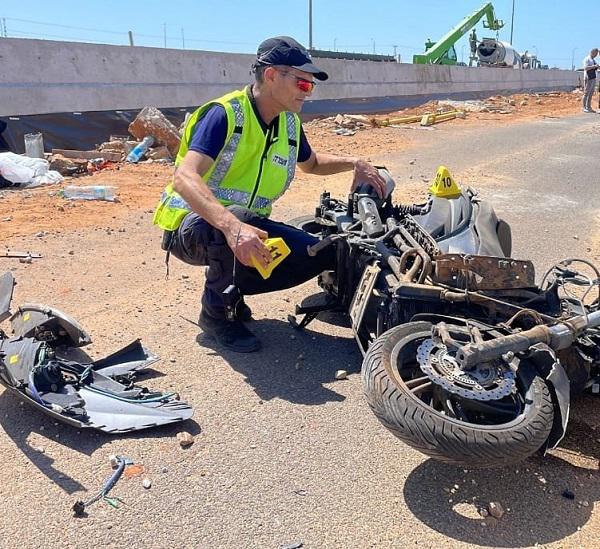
(196, 242)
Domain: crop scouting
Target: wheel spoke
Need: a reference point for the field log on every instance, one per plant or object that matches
(491, 409)
(419, 384)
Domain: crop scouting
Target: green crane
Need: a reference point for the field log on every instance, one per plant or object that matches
(442, 52)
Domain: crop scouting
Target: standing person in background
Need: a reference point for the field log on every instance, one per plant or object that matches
(589, 80)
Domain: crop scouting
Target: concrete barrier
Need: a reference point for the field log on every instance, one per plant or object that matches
(42, 76)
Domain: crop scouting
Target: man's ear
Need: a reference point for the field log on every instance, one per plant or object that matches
(269, 74)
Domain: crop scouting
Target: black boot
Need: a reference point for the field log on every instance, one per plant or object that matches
(243, 312)
(231, 335)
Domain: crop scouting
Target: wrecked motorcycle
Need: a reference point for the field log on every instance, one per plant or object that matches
(465, 358)
(42, 364)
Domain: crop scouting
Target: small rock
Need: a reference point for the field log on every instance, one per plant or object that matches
(411, 161)
(298, 366)
(484, 512)
(185, 277)
(341, 374)
(146, 483)
(575, 237)
(164, 470)
(495, 509)
(585, 503)
(295, 545)
(114, 462)
(27, 259)
(185, 439)
(71, 252)
(568, 494)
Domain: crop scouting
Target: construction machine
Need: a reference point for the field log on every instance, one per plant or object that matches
(442, 52)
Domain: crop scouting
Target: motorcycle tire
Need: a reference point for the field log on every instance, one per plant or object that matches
(306, 223)
(446, 438)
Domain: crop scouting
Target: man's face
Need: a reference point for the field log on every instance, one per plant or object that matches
(594, 52)
(291, 87)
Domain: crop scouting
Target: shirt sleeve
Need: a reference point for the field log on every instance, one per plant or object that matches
(210, 132)
(304, 150)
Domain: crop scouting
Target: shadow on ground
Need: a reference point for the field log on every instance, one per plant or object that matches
(19, 421)
(293, 364)
(446, 498)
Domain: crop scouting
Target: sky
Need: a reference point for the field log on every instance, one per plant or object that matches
(558, 32)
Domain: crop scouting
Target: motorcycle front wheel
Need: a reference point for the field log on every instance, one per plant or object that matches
(306, 223)
(444, 425)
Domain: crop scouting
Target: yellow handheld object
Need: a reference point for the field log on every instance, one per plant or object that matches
(279, 251)
(444, 185)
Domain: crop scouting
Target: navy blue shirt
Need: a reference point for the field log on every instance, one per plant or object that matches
(211, 130)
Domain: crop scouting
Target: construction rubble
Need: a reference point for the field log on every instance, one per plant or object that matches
(149, 122)
(164, 136)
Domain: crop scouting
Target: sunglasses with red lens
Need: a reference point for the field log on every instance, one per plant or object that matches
(304, 85)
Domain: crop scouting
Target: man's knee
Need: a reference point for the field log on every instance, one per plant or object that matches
(244, 214)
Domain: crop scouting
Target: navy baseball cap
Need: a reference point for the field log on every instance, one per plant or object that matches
(284, 50)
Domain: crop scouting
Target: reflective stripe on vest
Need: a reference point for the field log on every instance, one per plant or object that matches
(226, 158)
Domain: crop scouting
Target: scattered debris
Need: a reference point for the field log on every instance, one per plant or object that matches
(150, 121)
(23, 172)
(147, 483)
(430, 119)
(68, 166)
(79, 508)
(89, 192)
(159, 153)
(98, 395)
(88, 155)
(568, 494)
(134, 470)
(341, 374)
(495, 509)
(295, 545)
(21, 255)
(344, 131)
(185, 439)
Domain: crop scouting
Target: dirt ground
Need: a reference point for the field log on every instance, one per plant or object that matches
(27, 212)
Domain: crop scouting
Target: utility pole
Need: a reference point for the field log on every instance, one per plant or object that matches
(130, 38)
(182, 39)
(310, 42)
(395, 48)
(165, 34)
(573, 58)
(4, 33)
(512, 20)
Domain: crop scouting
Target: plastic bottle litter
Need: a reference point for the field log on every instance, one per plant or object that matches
(140, 149)
(91, 192)
(34, 145)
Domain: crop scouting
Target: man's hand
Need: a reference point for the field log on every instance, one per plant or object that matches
(246, 242)
(369, 174)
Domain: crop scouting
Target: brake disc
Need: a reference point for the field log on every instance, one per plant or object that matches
(488, 381)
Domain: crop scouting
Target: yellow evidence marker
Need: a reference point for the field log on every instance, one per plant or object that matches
(444, 185)
(279, 251)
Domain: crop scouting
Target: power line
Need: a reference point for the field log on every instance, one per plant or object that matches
(124, 33)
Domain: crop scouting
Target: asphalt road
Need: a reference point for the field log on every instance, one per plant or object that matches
(284, 454)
